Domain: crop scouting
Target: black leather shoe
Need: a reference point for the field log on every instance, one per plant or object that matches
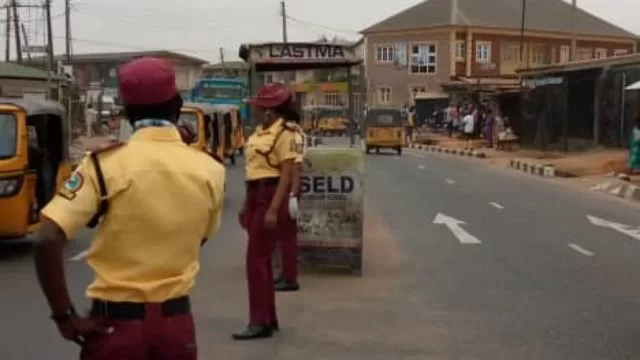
(286, 286)
(275, 327)
(254, 332)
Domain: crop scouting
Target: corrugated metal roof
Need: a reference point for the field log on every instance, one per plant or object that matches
(15, 71)
(541, 15)
(123, 56)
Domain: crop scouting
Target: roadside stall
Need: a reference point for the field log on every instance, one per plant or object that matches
(331, 217)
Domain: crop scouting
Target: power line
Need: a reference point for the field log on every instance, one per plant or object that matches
(310, 23)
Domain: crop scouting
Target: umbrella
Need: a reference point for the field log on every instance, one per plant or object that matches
(634, 86)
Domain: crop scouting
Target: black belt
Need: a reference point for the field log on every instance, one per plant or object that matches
(255, 184)
(137, 311)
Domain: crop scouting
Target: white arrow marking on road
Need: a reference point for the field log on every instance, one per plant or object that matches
(80, 256)
(496, 205)
(453, 225)
(449, 181)
(621, 228)
(421, 167)
(581, 250)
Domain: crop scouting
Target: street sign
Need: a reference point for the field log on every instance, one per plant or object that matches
(330, 224)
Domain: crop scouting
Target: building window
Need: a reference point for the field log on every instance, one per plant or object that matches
(460, 50)
(510, 52)
(268, 78)
(601, 53)
(483, 51)
(417, 89)
(384, 95)
(565, 53)
(620, 52)
(332, 98)
(584, 54)
(423, 58)
(384, 53)
(539, 55)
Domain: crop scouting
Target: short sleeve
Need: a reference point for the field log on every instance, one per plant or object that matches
(299, 139)
(76, 202)
(216, 184)
(286, 147)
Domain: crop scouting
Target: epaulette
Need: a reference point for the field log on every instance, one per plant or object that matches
(103, 149)
(291, 126)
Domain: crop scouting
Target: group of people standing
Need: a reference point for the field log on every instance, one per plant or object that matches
(473, 121)
(144, 257)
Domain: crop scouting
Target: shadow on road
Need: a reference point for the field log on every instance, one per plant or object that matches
(15, 249)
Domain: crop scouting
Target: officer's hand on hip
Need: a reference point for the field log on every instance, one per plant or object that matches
(293, 207)
(78, 329)
(242, 219)
(271, 219)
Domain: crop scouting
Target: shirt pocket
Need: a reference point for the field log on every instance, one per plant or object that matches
(117, 185)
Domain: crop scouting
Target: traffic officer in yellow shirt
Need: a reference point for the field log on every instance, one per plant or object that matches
(145, 256)
(288, 279)
(269, 157)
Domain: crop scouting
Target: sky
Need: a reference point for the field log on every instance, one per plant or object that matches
(202, 27)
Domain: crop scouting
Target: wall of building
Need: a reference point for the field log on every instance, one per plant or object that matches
(22, 88)
(399, 79)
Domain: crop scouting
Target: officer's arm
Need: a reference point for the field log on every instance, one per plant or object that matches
(216, 193)
(62, 219)
(297, 165)
(286, 151)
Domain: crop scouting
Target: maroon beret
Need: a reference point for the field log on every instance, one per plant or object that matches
(270, 96)
(147, 81)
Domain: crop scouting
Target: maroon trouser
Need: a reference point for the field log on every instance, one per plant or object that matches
(289, 249)
(260, 248)
(156, 336)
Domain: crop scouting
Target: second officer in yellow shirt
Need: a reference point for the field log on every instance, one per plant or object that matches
(269, 158)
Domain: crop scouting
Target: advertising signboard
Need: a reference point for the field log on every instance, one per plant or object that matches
(330, 223)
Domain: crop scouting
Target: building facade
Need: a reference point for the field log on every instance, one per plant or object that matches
(460, 47)
(101, 68)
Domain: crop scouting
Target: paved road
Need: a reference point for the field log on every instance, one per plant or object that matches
(542, 283)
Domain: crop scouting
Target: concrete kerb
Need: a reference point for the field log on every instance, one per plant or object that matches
(533, 169)
(619, 188)
(449, 151)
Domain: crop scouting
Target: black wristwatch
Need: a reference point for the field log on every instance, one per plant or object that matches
(63, 317)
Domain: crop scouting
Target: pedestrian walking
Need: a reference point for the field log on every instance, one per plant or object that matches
(144, 256)
(468, 125)
(487, 127)
(270, 154)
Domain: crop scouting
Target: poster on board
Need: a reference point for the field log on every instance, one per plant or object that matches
(331, 219)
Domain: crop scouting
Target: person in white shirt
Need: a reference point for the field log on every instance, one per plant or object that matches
(468, 123)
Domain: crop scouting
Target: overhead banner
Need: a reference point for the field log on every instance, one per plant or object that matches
(331, 219)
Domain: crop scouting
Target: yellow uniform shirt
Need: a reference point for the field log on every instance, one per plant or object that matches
(164, 198)
(299, 136)
(260, 142)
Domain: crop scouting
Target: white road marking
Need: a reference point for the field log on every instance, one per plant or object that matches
(453, 225)
(421, 167)
(416, 155)
(80, 256)
(581, 250)
(633, 232)
(449, 181)
(496, 205)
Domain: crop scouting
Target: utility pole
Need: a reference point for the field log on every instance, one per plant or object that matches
(574, 9)
(7, 31)
(16, 29)
(67, 20)
(283, 13)
(522, 24)
(222, 61)
(26, 42)
(51, 60)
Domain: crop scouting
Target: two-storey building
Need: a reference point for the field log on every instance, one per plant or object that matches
(464, 47)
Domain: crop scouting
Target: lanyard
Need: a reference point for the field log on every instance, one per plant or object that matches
(145, 123)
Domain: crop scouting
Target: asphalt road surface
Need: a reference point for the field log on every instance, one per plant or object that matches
(512, 268)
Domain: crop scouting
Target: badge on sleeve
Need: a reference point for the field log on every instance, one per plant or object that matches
(72, 186)
(296, 146)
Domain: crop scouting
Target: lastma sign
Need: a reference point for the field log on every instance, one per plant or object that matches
(306, 51)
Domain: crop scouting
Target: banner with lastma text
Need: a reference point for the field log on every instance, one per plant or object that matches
(331, 219)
